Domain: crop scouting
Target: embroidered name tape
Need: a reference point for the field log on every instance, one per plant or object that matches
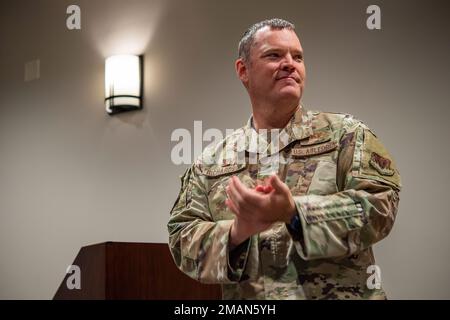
(313, 150)
(212, 172)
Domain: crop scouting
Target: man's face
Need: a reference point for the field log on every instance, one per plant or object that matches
(275, 72)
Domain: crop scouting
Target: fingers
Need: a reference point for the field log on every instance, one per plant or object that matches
(277, 184)
(247, 195)
(245, 200)
(229, 203)
(264, 189)
(234, 196)
(260, 188)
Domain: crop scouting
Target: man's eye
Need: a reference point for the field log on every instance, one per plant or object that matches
(273, 55)
(299, 58)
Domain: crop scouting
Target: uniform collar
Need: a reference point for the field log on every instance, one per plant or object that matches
(272, 141)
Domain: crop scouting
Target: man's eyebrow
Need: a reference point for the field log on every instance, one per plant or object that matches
(273, 49)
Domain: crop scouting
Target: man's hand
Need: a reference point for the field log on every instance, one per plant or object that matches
(257, 209)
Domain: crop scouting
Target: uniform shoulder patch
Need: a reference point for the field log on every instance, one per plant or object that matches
(381, 164)
(375, 161)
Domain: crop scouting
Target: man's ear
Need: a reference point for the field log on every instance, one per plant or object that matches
(241, 71)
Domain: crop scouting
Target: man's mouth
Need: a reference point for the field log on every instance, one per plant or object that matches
(296, 79)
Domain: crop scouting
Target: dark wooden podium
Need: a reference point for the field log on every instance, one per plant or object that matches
(123, 270)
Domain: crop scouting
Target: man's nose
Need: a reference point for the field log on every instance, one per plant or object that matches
(287, 63)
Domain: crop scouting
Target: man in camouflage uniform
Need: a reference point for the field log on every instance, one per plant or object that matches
(292, 215)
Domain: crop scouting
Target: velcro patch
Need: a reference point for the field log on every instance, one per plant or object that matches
(225, 169)
(376, 162)
(381, 164)
(317, 137)
(314, 150)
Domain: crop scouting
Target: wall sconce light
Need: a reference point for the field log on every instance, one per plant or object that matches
(123, 83)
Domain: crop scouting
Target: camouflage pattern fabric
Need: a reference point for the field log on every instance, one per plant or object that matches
(346, 189)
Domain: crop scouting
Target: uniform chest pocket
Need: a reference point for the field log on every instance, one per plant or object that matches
(218, 179)
(316, 164)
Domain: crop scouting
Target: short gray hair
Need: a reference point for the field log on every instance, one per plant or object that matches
(249, 36)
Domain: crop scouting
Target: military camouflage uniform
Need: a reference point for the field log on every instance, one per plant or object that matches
(346, 189)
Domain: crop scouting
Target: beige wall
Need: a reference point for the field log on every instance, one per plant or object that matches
(71, 175)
